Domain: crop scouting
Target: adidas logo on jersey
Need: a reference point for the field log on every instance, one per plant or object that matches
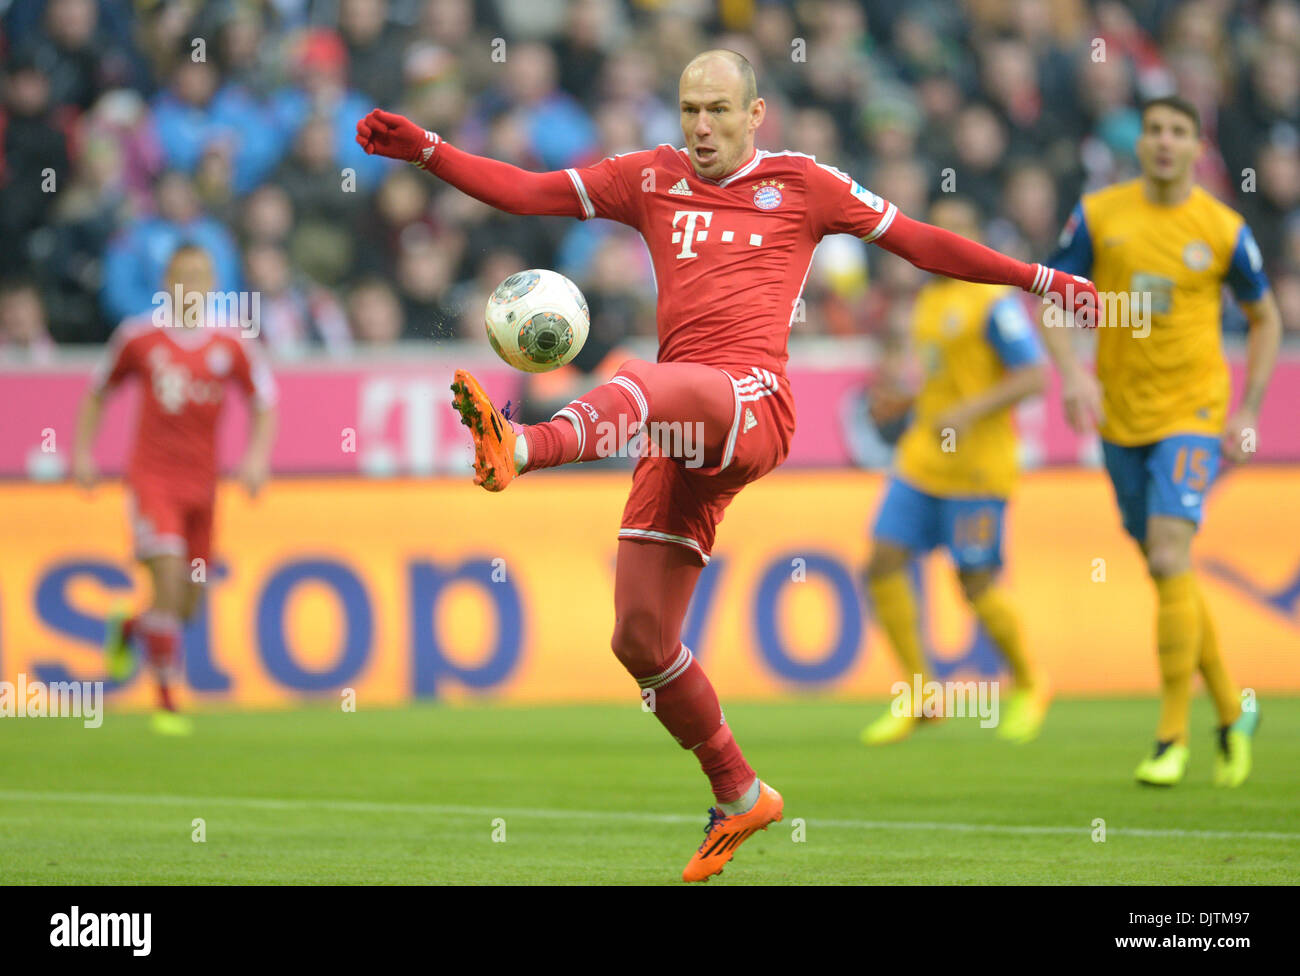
(750, 422)
(680, 188)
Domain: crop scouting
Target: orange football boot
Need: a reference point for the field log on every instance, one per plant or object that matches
(494, 438)
(724, 834)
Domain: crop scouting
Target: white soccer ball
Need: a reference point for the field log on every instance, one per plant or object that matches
(537, 320)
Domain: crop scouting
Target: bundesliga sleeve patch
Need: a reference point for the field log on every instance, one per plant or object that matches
(867, 197)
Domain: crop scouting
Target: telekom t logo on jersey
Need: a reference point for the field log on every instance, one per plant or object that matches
(690, 235)
(687, 236)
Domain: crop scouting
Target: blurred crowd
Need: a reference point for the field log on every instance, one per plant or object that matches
(127, 126)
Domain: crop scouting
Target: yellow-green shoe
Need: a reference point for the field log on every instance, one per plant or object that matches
(119, 658)
(888, 728)
(1166, 767)
(1233, 759)
(1025, 714)
(171, 723)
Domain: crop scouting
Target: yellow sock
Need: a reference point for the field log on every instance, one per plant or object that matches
(1178, 643)
(1226, 695)
(896, 611)
(999, 619)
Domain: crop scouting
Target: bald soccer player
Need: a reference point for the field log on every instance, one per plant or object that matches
(731, 232)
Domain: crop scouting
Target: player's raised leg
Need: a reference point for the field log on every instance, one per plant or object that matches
(696, 403)
(653, 585)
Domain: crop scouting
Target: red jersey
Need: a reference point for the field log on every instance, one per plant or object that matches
(730, 256)
(183, 375)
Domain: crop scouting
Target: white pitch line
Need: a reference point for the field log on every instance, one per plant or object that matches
(437, 809)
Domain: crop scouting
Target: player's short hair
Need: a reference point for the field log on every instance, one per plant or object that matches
(959, 200)
(969, 204)
(1179, 104)
(749, 84)
(188, 247)
(17, 284)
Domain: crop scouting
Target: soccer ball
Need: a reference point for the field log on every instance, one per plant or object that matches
(537, 320)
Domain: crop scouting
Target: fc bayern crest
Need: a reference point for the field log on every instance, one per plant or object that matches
(767, 195)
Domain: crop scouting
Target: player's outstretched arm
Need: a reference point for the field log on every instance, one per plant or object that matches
(942, 252)
(495, 183)
(1240, 435)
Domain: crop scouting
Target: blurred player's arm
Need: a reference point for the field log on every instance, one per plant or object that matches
(118, 362)
(254, 377)
(1080, 391)
(1015, 341)
(1016, 385)
(89, 414)
(255, 468)
(498, 184)
(1240, 434)
(1250, 287)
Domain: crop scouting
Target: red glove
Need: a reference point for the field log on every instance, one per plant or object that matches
(1069, 292)
(396, 137)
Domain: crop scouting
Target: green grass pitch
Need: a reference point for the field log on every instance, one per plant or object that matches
(600, 794)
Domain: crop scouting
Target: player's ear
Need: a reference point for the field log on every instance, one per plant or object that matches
(757, 112)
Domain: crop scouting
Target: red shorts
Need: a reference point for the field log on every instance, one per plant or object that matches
(671, 502)
(167, 522)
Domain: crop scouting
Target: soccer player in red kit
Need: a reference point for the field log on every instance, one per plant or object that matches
(731, 233)
(183, 364)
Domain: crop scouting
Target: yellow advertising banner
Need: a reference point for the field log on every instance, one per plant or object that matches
(437, 589)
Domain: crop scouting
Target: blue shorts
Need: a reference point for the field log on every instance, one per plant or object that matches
(971, 528)
(1170, 477)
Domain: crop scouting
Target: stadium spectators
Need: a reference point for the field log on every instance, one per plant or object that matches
(137, 256)
(232, 122)
(23, 335)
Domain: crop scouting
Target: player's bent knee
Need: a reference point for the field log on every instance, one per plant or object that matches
(1163, 561)
(638, 642)
(885, 560)
(193, 597)
(975, 582)
(636, 367)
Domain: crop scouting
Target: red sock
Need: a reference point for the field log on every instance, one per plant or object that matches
(598, 424)
(550, 444)
(687, 706)
(722, 761)
(128, 628)
(162, 636)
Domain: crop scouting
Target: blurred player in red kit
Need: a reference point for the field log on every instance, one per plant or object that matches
(183, 364)
(731, 233)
